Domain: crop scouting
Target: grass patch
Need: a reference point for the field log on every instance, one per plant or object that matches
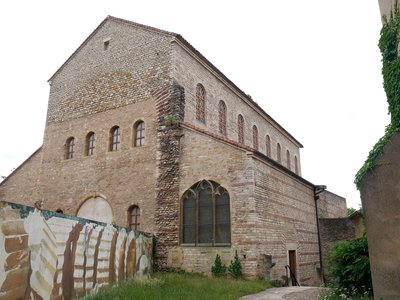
(182, 286)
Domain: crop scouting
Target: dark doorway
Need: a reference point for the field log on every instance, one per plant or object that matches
(292, 265)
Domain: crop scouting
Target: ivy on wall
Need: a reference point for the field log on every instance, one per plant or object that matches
(388, 44)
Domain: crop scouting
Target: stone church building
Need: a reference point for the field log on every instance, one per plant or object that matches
(144, 132)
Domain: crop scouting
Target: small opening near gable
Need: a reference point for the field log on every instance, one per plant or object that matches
(106, 44)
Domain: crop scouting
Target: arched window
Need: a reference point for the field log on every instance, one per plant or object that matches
(278, 153)
(139, 134)
(134, 217)
(268, 145)
(222, 117)
(206, 215)
(90, 138)
(200, 103)
(296, 166)
(70, 144)
(288, 159)
(255, 137)
(115, 138)
(240, 129)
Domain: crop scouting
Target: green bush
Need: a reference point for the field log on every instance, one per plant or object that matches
(235, 268)
(218, 269)
(350, 269)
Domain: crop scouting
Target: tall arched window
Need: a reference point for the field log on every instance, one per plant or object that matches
(200, 103)
(115, 138)
(255, 137)
(139, 133)
(240, 122)
(222, 117)
(268, 145)
(206, 215)
(134, 217)
(70, 144)
(288, 159)
(296, 166)
(90, 138)
(278, 153)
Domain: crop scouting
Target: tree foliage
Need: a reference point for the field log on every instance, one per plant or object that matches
(349, 267)
(218, 269)
(235, 268)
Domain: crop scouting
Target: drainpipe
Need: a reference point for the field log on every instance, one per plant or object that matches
(318, 189)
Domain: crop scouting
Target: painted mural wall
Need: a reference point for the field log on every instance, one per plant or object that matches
(47, 255)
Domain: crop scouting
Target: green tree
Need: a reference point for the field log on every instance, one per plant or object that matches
(349, 268)
(218, 269)
(235, 268)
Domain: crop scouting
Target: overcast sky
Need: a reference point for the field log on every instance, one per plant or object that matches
(313, 65)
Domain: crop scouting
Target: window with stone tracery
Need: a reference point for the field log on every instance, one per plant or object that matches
(255, 137)
(222, 117)
(200, 103)
(240, 129)
(205, 217)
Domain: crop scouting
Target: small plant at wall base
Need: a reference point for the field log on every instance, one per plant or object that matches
(235, 268)
(388, 45)
(218, 269)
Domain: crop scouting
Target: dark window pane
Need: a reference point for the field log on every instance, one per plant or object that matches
(222, 217)
(205, 214)
(189, 218)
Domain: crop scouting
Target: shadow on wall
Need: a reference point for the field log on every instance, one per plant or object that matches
(48, 255)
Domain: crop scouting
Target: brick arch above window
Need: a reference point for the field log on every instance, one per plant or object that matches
(200, 103)
(268, 145)
(240, 124)
(222, 117)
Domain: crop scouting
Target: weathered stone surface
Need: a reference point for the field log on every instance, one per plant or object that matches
(380, 196)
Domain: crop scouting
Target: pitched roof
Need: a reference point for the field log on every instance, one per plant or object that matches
(192, 49)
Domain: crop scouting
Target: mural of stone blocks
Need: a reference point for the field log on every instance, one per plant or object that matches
(47, 255)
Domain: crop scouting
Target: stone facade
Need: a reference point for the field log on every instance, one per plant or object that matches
(125, 73)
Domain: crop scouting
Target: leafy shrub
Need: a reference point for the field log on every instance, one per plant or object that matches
(350, 269)
(218, 269)
(235, 268)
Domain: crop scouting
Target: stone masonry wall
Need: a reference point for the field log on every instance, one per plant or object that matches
(46, 255)
(170, 105)
(285, 220)
(332, 231)
(271, 211)
(189, 72)
(22, 185)
(331, 205)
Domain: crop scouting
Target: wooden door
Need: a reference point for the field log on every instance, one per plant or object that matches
(292, 265)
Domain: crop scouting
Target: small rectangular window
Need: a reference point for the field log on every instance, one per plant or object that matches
(106, 44)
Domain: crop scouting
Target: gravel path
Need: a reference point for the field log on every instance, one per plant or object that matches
(284, 293)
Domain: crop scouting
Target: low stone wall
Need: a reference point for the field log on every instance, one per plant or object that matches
(47, 255)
